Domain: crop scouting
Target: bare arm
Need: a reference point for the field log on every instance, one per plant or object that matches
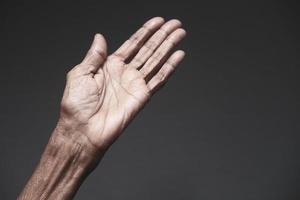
(102, 95)
(62, 168)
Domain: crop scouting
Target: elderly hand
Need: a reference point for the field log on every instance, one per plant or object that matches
(104, 93)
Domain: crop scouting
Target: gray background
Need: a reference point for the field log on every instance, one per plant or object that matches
(224, 127)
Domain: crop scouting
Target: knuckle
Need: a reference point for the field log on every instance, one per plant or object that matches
(115, 57)
(135, 38)
(163, 32)
(146, 28)
(150, 45)
(79, 70)
(137, 62)
(170, 41)
(100, 53)
(161, 76)
(171, 65)
(158, 55)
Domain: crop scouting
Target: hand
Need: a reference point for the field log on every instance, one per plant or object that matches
(103, 93)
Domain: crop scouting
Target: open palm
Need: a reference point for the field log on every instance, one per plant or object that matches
(104, 93)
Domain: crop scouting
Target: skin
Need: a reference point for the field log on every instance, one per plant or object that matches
(102, 95)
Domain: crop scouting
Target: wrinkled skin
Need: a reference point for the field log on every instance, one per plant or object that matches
(103, 93)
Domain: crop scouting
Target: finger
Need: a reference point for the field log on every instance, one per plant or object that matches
(155, 61)
(151, 45)
(135, 42)
(97, 53)
(164, 73)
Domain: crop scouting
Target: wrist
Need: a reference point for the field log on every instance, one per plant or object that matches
(64, 165)
(73, 144)
(84, 132)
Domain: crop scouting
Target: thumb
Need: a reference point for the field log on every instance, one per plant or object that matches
(97, 53)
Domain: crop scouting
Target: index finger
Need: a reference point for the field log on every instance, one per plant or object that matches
(134, 43)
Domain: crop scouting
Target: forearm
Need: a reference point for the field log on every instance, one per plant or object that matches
(63, 166)
(102, 95)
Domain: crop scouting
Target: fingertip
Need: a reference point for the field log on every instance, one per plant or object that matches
(176, 21)
(182, 32)
(159, 18)
(97, 52)
(175, 58)
(181, 53)
(178, 34)
(99, 37)
(154, 21)
(178, 56)
(100, 43)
